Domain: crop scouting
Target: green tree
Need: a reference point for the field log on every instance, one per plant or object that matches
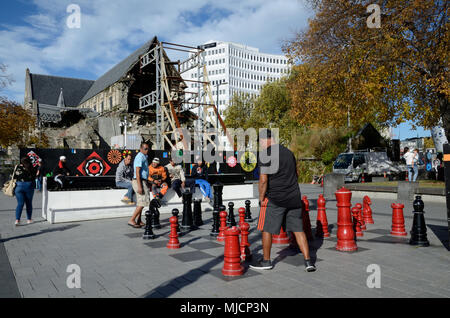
(238, 113)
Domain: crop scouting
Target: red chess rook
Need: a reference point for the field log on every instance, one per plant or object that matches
(322, 221)
(360, 217)
(173, 236)
(367, 210)
(345, 234)
(245, 245)
(232, 254)
(398, 220)
(306, 219)
(281, 238)
(223, 226)
(356, 222)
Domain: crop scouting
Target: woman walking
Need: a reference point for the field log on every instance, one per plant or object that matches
(25, 176)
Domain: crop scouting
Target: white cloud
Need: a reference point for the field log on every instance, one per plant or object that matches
(111, 30)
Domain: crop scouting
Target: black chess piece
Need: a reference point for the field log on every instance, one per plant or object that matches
(217, 190)
(198, 212)
(419, 228)
(175, 212)
(148, 234)
(248, 214)
(231, 220)
(154, 205)
(216, 224)
(187, 221)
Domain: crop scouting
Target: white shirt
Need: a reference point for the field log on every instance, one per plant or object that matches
(410, 158)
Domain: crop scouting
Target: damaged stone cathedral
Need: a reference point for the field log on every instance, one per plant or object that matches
(85, 114)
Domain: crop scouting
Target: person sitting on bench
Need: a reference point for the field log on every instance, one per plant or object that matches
(178, 179)
(158, 179)
(124, 176)
(200, 174)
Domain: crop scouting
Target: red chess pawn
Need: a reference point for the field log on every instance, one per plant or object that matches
(223, 226)
(345, 233)
(232, 254)
(356, 222)
(173, 241)
(241, 216)
(322, 221)
(245, 245)
(360, 217)
(305, 218)
(367, 210)
(281, 238)
(398, 220)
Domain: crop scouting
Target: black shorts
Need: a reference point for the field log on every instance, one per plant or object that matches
(272, 217)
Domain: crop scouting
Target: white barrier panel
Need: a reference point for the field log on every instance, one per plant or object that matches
(73, 206)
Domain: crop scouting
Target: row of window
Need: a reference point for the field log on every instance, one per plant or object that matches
(101, 108)
(256, 58)
(257, 68)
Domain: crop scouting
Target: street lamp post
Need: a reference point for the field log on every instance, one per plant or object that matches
(126, 125)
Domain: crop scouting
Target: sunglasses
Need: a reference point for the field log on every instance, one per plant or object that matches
(145, 149)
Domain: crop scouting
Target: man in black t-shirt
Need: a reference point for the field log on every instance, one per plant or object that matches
(279, 199)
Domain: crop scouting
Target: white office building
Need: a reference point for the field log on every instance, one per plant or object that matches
(235, 68)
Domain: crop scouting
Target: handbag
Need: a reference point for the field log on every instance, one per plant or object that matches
(10, 186)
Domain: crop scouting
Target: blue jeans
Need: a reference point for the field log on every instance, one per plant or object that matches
(24, 194)
(205, 187)
(126, 185)
(413, 170)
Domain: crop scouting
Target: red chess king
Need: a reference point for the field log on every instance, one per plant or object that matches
(173, 236)
(245, 245)
(398, 220)
(241, 216)
(356, 222)
(345, 233)
(367, 210)
(232, 254)
(360, 217)
(322, 221)
(223, 226)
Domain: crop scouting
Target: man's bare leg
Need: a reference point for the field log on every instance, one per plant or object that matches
(137, 214)
(267, 245)
(302, 243)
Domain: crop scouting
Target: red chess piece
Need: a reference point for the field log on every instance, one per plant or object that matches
(345, 234)
(398, 220)
(281, 238)
(241, 216)
(356, 222)
(173, 241)
(322, 221)
(223, 226)
(232, 254)
(360, 217)
(305, 218)
(367, 210)
(245, 245)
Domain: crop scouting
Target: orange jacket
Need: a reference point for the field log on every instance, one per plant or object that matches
(158, 173)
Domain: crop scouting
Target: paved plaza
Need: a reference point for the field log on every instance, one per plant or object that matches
(116, 262)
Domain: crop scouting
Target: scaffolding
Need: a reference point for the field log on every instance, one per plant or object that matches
(170, 97)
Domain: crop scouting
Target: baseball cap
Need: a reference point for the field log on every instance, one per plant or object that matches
(62, 158)
(156, 160)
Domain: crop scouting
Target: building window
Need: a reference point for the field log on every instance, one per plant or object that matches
(110, 102)
(101, 107)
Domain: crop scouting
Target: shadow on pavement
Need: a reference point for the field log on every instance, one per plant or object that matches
(442, 234)
(63, 228)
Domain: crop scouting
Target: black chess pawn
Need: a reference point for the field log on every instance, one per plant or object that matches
(419, 228)
(248, 214)
(148, 234)
(154, 205)
(216, 224)
(175, 213)
(231, 220)
(187, 221)
(198, 212)
(217, 190)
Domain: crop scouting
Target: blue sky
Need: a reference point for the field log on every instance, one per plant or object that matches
(34, 34)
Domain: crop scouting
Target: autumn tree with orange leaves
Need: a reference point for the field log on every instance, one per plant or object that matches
(390, 74)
